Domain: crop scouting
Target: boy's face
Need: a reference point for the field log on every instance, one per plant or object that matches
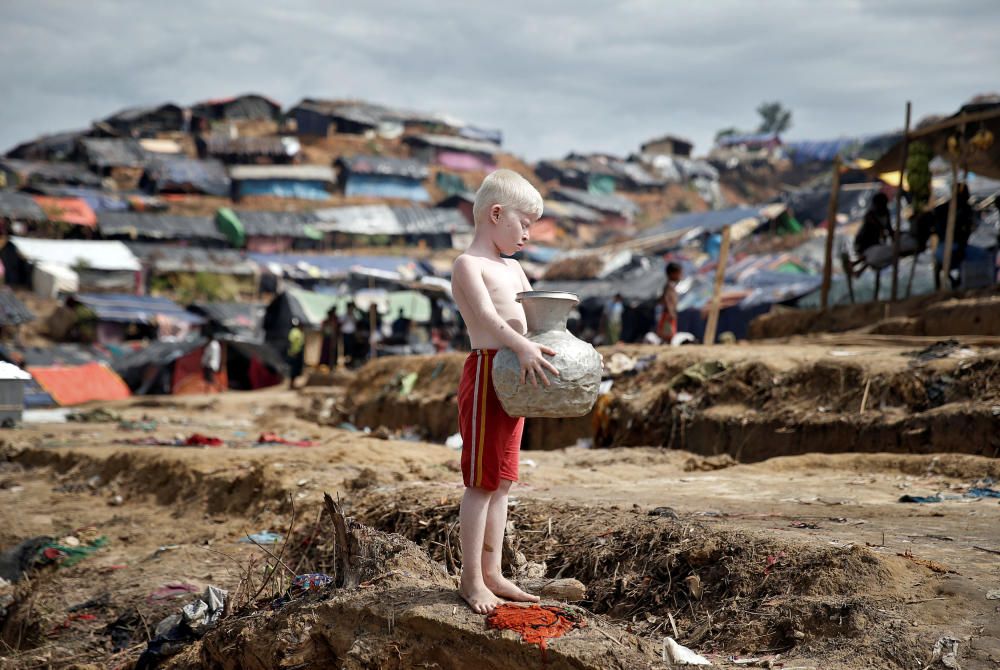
(510, 229)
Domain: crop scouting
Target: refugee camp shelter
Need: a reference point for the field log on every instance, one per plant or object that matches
(618, 210)
(383, 177)
(462, 201)
(145, 121)
(66, 374)
(112, 318)
(241, 319)
(324, 117)
(307, 182)
(52, 266)
(23, 173)
(434, 227)
(13, 312)
(12, 384)
(19, 211)
(68, 210)
(173, 228)
(189, 271)
(307, 269)
(668, 145)
(269, 149)
(309, 307)
(246, 107)
(52, 147)
(170, 367)
(103, 154)
(268, 232)
(455, 153)
(180, 174)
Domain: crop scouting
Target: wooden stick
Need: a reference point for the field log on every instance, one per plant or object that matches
(949, 235)
(899, 206)
(720, 274)
(831, 228)
(864, 397)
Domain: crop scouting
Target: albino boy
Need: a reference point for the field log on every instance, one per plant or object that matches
(485, 286)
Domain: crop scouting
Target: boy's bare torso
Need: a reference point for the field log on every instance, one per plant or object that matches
(503, 279)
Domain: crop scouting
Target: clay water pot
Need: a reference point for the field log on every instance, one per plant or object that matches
(574, 391)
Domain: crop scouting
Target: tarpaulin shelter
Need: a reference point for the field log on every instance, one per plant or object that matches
(114, 313)
(456, 153)
(160, 227)
(976, 117)
(252, 150)
(267, 231)
(315, 267)
(13, 381)
(74, 211)
(233, 318)
(168, 367)
(24, 173)
(383, 177)
(20, 207)
(102, 153)
(51, 147)
(94, 264)
(98, 200)
(77, 384)
(146, 120)
(180, 174)
(308, 182)
(13, 312)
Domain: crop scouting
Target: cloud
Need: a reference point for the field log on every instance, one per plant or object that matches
(555, 76)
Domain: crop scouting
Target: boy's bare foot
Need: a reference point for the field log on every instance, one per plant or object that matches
(481, 600)
(504, 588)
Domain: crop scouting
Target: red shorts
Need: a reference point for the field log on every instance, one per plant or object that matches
(491, 438)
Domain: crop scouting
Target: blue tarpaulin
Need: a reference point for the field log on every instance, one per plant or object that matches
(124, 308)
(386, 186)
(284, 188)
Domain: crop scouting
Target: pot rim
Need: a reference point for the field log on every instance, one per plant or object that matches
(556, 295)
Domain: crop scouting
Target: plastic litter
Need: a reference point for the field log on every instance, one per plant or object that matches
(176, 631)
(454, 441)
(536, 624)
(263, 537)
(946, 652)
(170, 591)
(678, 654)
(274, 438)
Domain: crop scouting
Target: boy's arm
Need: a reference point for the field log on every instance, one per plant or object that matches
(468, 279)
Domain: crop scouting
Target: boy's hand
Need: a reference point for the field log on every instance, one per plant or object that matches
(533, 364)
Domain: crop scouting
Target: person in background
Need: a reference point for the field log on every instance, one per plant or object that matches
(666, 327)
(348, 331)
(296, 345)
(965, 223)
(211, 362)
(874, 231)
(613, 313)
(331, 338)
(401, 328)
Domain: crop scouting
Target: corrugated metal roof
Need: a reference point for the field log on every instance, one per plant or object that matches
(271, 146)
(453, 143)
(188, 175)
(124, 308)
(94, 254)
(277, 224)
(559, 209)
(384, 220)
(108, 152)
(430, 220)
(283, 172)
(169, 258)
(15, 205)
(44, 172)
(158, 226)
(613, 204)
(12, 310)
(384, 165)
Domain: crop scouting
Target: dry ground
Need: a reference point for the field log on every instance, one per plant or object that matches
(810, 544)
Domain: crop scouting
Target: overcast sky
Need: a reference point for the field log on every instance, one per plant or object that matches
(554, 76)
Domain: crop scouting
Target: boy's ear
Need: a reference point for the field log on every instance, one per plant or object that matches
(495, 213)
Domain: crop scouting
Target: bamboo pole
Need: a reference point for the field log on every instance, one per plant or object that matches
(720, 273)
(897, 230)
(949, 235)
(831, 228)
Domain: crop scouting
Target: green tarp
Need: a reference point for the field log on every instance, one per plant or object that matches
(229, 225)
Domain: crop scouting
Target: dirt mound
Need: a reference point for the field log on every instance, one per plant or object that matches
(721, 589)
(390, 606)
(973, 312)
(167, 480)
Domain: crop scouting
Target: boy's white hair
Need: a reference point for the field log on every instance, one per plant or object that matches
(507, 189)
